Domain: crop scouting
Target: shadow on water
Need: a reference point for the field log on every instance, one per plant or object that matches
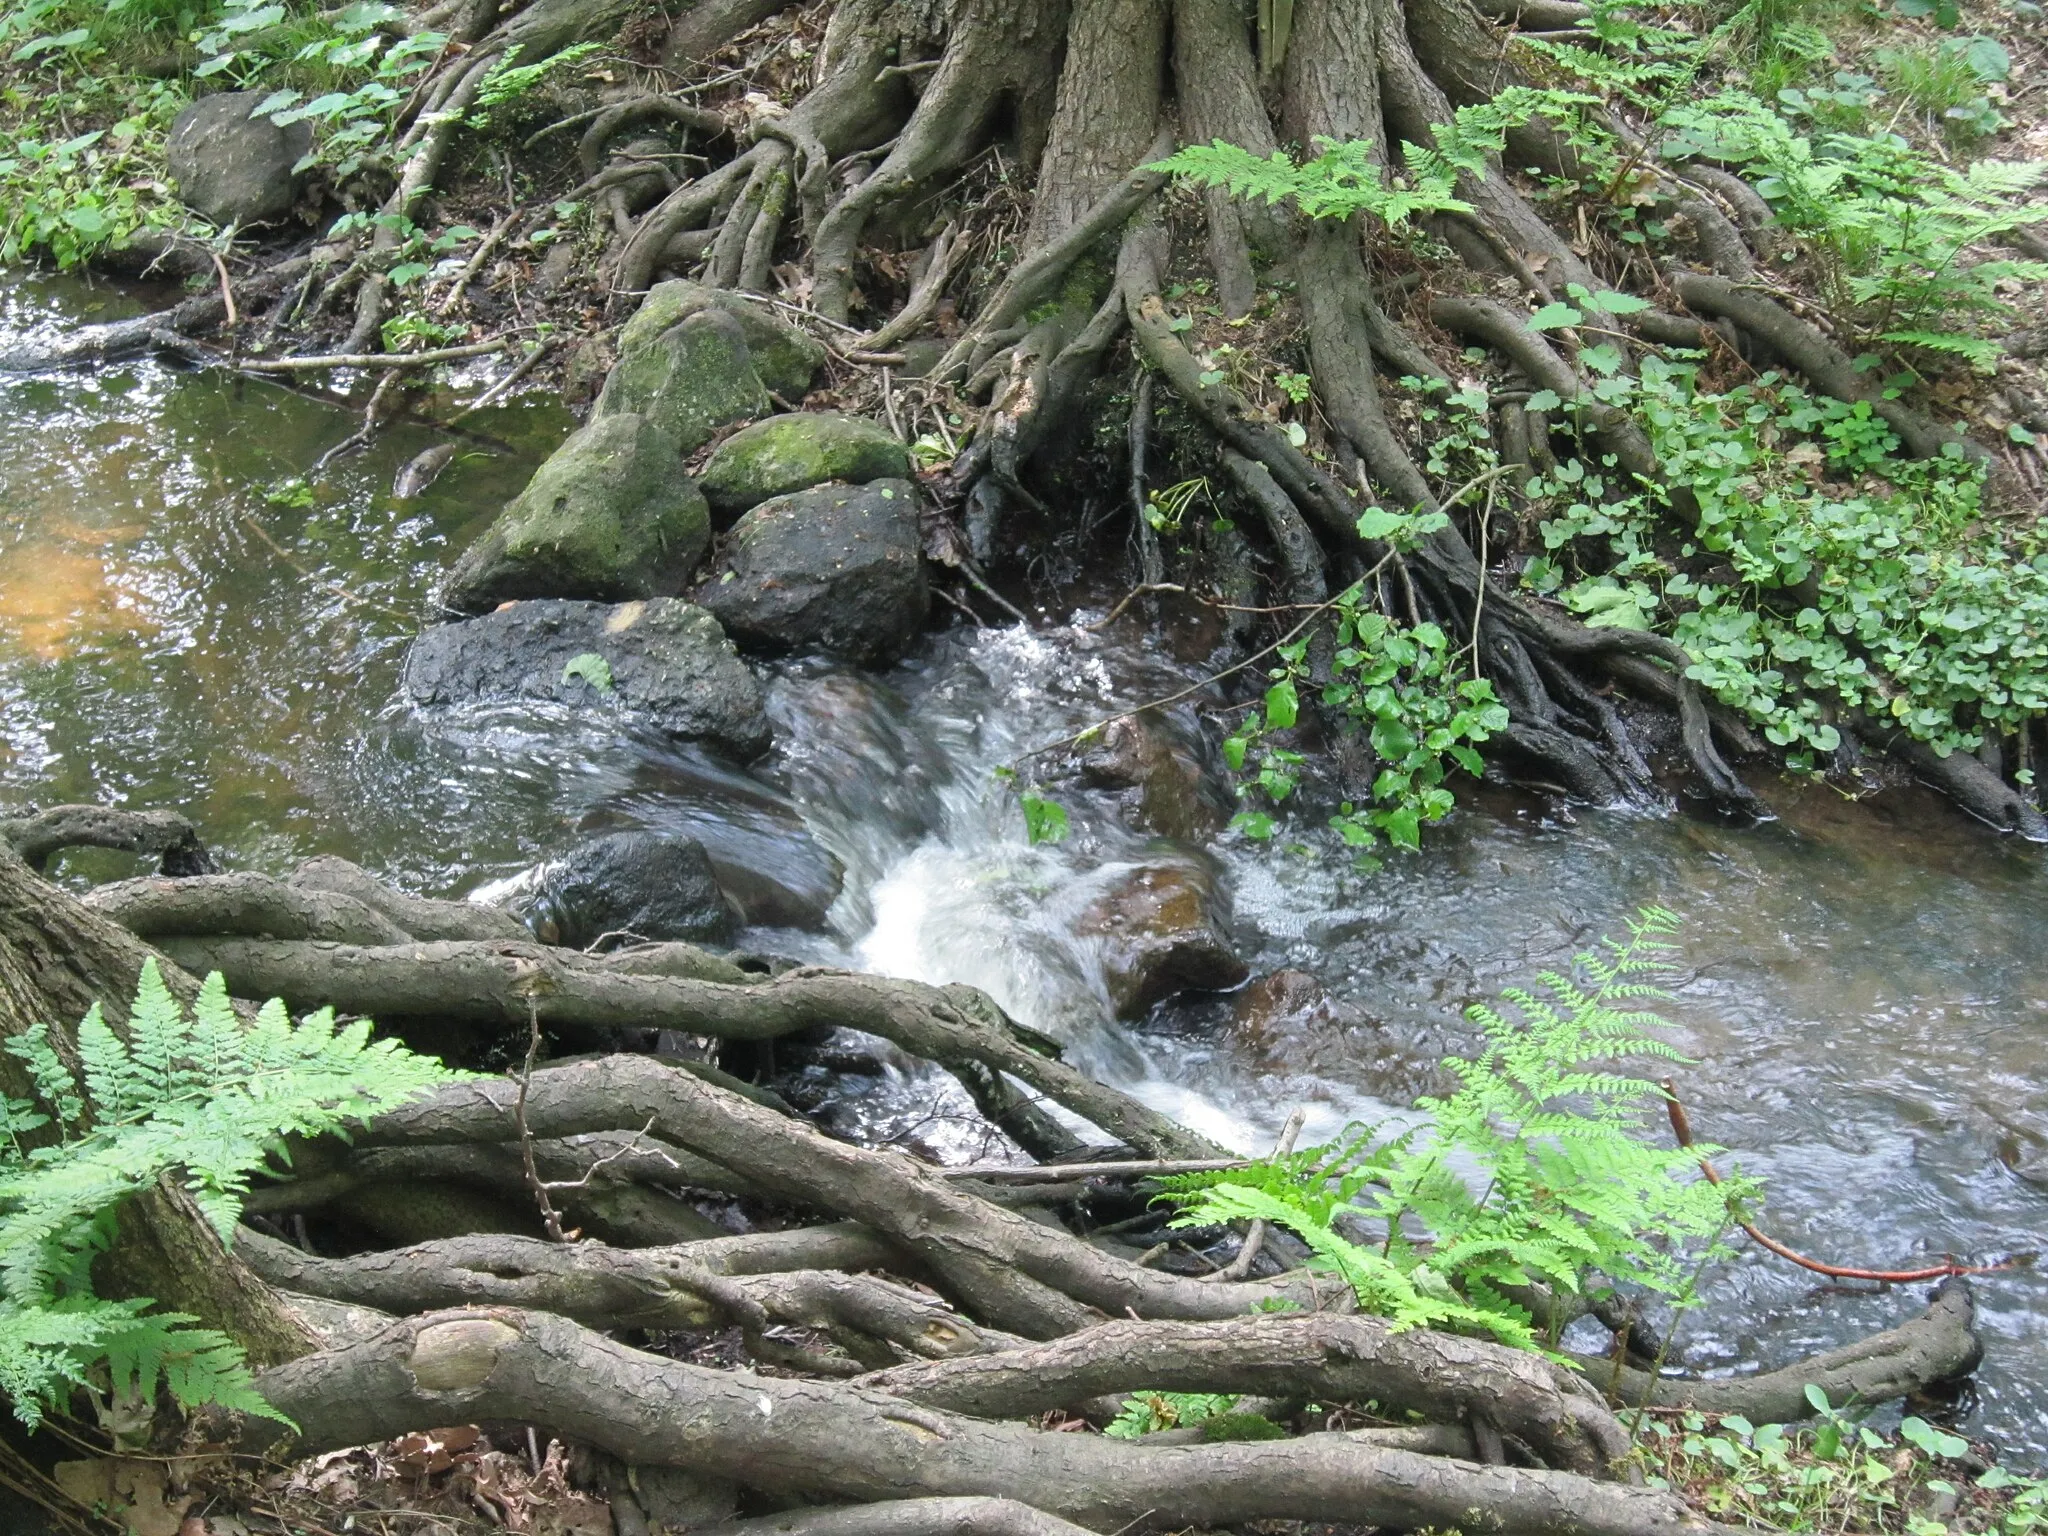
(1860, 982)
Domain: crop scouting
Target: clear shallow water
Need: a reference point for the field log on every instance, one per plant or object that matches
(1861, 983)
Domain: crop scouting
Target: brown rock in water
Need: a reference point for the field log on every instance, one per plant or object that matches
(1169, 792)
(1165, 929)
(1278, 998)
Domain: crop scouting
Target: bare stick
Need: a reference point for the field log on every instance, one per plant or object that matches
(1255, 1234)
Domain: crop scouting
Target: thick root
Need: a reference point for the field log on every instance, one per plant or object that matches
(833, 1442)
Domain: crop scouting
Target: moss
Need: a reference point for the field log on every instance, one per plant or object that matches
(610, 516)
(689, 379)
(786, 359)
(792, 453)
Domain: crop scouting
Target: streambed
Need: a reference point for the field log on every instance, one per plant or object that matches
(1860, 982)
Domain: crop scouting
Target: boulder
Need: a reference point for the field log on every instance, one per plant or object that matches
(836, 568)
(795, 452)
(689, 380)
(610, 516)
(783, 356)
(635, 883)
(1160, 777)
(234, 168)
(668, 661)
(1163, 929)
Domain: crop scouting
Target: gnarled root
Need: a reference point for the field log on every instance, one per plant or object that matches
(836, 1442)
(1938, 1346)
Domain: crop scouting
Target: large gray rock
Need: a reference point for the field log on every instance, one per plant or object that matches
(630, 883)
(609, 516)
(784, 357)
(691, 380)
(837, 568)
(795, 452)
(668, 660)
(234, 168)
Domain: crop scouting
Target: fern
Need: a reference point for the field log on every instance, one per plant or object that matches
(1569, 1190)
(204, 1097)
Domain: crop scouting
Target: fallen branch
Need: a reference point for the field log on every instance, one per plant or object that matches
(171, 837)
(372, 359)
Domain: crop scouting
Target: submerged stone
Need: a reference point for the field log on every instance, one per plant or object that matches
(631, 884)
(795, 452)
(609, 516)
(664, 659)
(1164, 929)
(836, 568)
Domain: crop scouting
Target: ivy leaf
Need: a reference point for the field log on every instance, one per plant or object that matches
(1283, 706)
(1045, 821)
(1554, 317)
(590, 668)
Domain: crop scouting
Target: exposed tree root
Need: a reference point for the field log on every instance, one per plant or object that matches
(167, 835)
(1936, 1347)
(1559, 1421)
(498, 983)
(831, 1441)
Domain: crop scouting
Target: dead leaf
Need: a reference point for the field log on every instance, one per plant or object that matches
(133, 1492)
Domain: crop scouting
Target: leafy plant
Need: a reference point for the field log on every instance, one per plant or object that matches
(1406, 688)
(1815, 571)
(1045, 820)
(203, 1097)
(1836, 1475)
(1147, 1413)
(1537, 1171)
(508, 79)
(589, 667)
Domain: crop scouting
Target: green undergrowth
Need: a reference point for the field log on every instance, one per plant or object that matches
(1837, 1474)
(1815, 574)
(1541, 1170)
(201, 1097)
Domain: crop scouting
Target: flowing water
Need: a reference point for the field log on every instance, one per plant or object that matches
(1859, 982)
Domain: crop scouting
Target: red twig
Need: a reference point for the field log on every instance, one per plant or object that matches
(1681, 1127)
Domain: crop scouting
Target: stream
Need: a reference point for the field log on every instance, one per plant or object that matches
(1853, 979)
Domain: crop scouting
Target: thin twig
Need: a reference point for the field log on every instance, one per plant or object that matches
(373, 359)
(1681, 1128)
(550, 1218)
(1255, 1234)
(1052, 1173)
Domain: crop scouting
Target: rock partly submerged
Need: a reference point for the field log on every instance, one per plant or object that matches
(609, 517)
(834, 568)
(665, 660)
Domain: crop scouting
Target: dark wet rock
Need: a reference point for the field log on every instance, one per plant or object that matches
(234, 168)
(1166, 789)
(1164, 929)
(785, 359)
(689, 380)
(630, 884)
(766, 857)
(668, 660)
(836, 568)
(610, 516)
(795, 452)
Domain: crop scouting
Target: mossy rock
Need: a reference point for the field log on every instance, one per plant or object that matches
(609, 517)
(795, 452)
(786, 359)
(690, 380)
